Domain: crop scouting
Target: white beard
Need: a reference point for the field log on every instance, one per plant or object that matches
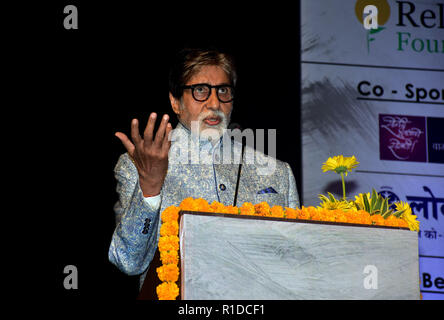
(207, 132)
(212, 133)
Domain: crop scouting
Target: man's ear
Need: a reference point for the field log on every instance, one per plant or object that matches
(175, 104)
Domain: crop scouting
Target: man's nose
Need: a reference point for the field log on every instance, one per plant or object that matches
(213, 102)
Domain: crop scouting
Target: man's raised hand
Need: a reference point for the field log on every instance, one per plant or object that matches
(150, 153)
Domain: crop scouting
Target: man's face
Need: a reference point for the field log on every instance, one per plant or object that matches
(212, 116)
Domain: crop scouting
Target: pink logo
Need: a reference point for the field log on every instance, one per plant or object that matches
(402, 138)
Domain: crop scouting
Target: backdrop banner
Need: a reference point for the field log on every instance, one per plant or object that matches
(373, 87)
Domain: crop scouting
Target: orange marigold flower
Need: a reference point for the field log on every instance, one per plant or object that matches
(312, 210)
(217, 207)
(290, 213)
(167, 291)
(303, 213)
(188, 204)
(262, 209)
(169, 243)
(170, 214)
(231, 210)
(339, 216)
(320, 214)
(169, 257)
(364, 214)
(368, 221)
(377, 219)
(392, 221)
(329, 217)
(168, 273)
(359, 217)
(298, 212)
(170, 228)
(403, 223)
(247, 209)
(202, 205)
(277, 212)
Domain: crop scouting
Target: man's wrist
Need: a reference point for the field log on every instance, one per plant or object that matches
(149, 190)
(150, 195)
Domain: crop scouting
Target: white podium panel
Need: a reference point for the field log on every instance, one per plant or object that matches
(236, 258)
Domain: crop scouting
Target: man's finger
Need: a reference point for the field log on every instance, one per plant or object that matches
(135, 134)
(158, 141)
(126, 142)
(167, 139)
(148, 133)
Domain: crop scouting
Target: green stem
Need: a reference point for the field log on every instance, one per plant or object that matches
(368, 42)
(343, 185)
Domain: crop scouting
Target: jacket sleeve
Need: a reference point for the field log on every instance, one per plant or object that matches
(135, 237)
(293, 196)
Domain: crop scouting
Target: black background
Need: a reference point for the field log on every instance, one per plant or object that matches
(94, 80)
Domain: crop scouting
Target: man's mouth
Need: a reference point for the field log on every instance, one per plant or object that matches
(212, 121)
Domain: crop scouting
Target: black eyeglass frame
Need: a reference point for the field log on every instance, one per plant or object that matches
(193, 87)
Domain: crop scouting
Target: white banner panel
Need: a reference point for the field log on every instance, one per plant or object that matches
(378, 94)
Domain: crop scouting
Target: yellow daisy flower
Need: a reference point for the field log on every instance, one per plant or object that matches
(407, 215)
(333, 204)
(340, 164)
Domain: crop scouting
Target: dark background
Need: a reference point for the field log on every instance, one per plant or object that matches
(114, 68)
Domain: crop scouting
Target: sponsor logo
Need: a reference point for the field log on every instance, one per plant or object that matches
(387, 193)
(373, 14)
(435, 136)
(402, 138)
(411, 138)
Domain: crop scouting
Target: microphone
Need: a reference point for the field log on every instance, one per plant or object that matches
(233, 126)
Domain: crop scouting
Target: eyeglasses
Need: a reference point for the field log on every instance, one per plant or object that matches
(202, 91)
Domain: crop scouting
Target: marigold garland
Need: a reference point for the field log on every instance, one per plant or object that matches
(169, 272)
(168, 243)
(169, 232)
(170, 228)
(263, 209)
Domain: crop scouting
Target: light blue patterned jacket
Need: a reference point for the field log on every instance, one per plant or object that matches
(136, 235)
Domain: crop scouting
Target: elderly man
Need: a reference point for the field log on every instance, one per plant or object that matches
(162, 169)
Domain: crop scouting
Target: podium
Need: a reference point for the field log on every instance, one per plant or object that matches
(232, 257)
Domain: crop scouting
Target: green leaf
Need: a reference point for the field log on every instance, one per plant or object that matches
(399, 213)
(366, 204)
(374, 194)
(332, 197)
(373, 200)
(384, 205)
(373, 31)
(378, 203)
(387, 214)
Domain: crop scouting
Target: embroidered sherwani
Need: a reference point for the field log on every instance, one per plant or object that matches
(198, 169)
